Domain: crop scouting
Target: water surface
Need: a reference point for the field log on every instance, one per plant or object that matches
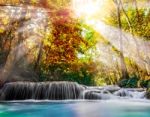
(105, 108)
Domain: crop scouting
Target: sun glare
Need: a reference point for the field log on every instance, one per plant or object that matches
(86, 8)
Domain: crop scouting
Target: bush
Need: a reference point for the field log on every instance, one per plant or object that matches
(145, 83)
(132, 82)
(81, 73)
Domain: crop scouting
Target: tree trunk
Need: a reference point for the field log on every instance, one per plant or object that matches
(131, 31)
(36, 66)
(137, 11)
(122, 61)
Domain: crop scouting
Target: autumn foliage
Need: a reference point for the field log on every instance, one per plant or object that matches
(47, 40)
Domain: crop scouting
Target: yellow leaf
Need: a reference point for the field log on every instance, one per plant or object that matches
(1, 30)
(5, 21)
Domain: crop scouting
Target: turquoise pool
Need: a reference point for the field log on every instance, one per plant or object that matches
(107, 108)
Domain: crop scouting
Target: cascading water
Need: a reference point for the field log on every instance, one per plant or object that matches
(114, 93)
(39, 91)
(65, 90)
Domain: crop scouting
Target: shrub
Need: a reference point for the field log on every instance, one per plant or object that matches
(145, 83)
(131, 82)
(81, 73)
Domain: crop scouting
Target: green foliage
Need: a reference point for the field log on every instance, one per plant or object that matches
(81, 73)
(132, 82)
(139, 24)
(82, 77)
(145, 83)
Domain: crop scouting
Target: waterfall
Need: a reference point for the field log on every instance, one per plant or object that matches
(65, 90)
(39, 91)
(112, 92)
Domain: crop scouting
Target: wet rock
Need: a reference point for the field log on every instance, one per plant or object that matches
(112, 88)
(122, 93)
(96, 94)
(92, 95)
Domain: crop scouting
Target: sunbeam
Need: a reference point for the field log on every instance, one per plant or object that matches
(131, 49)
(32, 31)
(87, 8)
(129, 45)
(75, 34)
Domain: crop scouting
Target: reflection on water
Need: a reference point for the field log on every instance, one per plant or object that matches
(109, 108)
